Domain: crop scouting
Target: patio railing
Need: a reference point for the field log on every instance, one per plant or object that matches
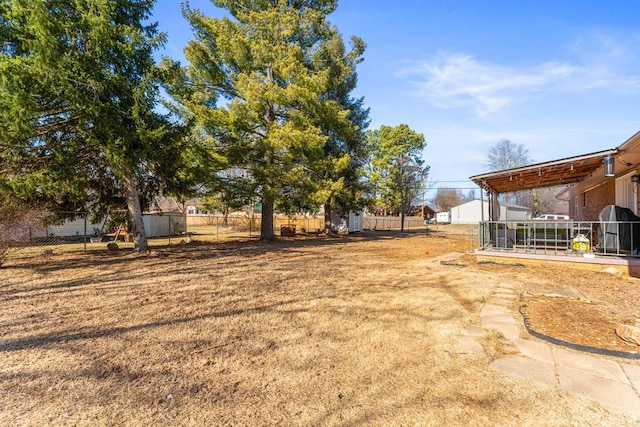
(617, 238)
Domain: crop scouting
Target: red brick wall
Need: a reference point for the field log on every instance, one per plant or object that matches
(595, 200)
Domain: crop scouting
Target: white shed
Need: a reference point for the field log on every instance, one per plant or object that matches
(163, 224)
(352, 223)
(69, 228)
(471, 213)
(356, 221)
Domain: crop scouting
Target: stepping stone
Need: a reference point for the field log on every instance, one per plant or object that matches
(526, 368)
(466, 345)
(606, 391)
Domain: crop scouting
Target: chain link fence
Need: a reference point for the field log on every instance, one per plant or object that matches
(220, 227)
(393, 223)
(20, 230)
(244, 225)
(26, 235)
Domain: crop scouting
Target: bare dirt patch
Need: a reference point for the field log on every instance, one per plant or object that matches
(354, 330)
(583, 307)
(576, 305)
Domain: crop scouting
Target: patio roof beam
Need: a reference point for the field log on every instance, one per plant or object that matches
(541, 175)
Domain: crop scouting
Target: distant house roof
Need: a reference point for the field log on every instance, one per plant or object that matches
(506, 205)
(427, 209)
(168, 204)
(514, 206)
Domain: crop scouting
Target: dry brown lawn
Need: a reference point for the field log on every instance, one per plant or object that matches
(346, 331)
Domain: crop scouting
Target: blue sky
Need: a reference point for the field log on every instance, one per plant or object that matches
(561, 77)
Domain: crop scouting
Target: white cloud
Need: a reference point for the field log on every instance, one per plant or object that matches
(459, 80)
(610, 61)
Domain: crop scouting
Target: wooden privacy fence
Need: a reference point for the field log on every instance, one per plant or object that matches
(392, 222)
(302, 223)
(248, 223)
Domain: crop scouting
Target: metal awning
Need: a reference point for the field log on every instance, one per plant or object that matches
(541, 175)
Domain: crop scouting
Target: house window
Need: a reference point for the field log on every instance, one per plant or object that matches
(576, 206)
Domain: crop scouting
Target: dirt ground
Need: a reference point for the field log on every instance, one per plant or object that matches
(354, 330)
(577, 306)
(588, 318)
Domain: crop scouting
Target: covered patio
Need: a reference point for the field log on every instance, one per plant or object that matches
(593, 242)
(542, 175)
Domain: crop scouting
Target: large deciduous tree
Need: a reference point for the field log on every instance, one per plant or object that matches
(505, 154)
(253, 87)
(78, 130)
(397, 169)
(447, 198)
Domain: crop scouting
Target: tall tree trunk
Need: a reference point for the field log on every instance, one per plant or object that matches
(135, 215)
(328, 229)
(266, 227)
(402, 209)
(268, 200)
(225, 216)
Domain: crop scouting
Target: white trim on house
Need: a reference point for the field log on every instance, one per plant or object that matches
(626, 192)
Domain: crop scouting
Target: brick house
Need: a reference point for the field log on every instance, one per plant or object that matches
(589, 196)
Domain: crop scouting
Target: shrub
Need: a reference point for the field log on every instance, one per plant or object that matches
(15, 228)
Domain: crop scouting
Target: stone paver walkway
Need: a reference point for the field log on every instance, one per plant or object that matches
(612, 383)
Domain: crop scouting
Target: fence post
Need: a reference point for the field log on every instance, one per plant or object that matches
(186, 227)
(84, 238)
